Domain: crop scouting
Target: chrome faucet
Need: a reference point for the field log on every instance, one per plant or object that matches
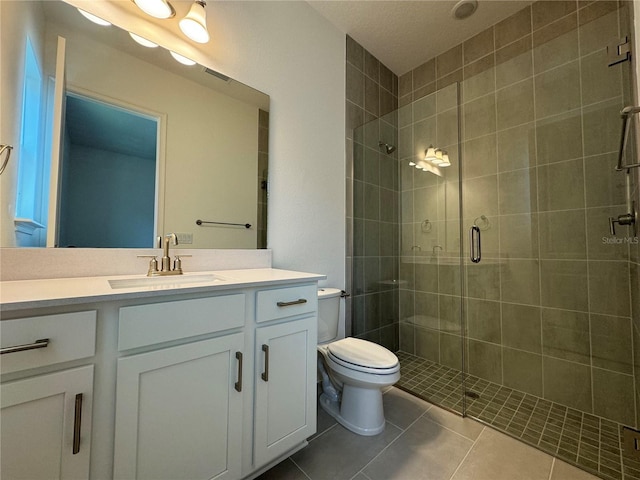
(165, 267)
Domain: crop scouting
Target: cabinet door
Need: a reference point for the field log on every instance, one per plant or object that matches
(46, 422)
(178, 412)
(285, 406)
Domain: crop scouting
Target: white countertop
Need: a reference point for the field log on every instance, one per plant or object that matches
(23, 294)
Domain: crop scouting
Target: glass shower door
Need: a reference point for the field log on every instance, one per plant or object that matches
(430, 300)
(549, 311)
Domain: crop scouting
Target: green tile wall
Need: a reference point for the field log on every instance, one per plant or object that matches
(553, 310)
(372, 311)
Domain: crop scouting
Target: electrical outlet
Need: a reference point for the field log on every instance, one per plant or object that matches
(185, 238)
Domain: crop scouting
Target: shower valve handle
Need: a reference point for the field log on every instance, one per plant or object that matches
(626, 219)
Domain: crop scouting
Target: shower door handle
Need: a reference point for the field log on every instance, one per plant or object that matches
(476, 246)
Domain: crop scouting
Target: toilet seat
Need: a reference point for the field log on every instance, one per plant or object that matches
(363, 356)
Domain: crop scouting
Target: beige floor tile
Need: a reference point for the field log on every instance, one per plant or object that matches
(564, 471)
(464, 426)
(360, 476)
(402, 408)
(496, 456)
(285, 470)
(340, 454)
(425, 450)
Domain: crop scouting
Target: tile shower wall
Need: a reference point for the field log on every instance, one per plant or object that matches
(372, 198)
(549, 308)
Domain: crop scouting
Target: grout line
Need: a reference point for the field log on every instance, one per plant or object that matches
(553, 464)
(467, 454)
(298, 467)
(391, 443)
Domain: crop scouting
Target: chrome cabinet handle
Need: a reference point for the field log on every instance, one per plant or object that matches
(42, 343)
(265, 374)
(300, 301)
(476, 246)
(238, 384)
(77, 422)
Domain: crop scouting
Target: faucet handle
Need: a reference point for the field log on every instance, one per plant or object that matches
(153, 264)
(177, 262)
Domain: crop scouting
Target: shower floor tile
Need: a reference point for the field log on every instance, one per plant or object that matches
(591, 443)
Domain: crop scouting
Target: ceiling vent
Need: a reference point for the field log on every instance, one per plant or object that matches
(464, 9)
(219, 75)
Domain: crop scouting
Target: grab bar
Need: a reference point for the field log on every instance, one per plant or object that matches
(625, 113)
(245, 225)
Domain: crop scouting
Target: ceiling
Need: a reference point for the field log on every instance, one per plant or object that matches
(404, 34)
(105, 127)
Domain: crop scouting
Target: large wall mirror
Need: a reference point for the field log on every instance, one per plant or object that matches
(143, 145)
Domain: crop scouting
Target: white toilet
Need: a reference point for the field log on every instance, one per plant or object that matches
(354, 371)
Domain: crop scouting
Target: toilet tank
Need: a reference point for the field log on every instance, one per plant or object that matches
(328, 313)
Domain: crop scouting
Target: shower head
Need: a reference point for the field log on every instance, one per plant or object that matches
(389, 149)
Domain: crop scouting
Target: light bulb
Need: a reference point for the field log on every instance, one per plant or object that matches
(412, 163)
(194, 25)
(142, 41)
(94, 19)
(156, 8)
(181, 59)
(438, 157)
(445, 160)
(430, 154)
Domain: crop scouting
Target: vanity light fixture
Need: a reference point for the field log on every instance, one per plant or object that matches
(437, 157)
(181, 59)
(194, 24)
(430, 154)
(142, 41)
(156, 8)
(94, 19)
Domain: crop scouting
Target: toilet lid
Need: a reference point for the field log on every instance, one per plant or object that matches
(362, 353)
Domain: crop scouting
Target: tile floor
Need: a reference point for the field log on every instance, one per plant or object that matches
(577, 437)
(421, 441)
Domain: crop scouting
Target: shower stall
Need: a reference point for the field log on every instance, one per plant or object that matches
(498, 279)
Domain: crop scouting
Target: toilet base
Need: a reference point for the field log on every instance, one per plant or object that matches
(363, 421)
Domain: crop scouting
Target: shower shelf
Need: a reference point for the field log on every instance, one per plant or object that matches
(626, 114)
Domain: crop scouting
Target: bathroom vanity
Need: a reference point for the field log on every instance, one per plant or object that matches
(212, 375)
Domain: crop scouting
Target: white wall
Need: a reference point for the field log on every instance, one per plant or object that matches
(290, 52)
(26, 17)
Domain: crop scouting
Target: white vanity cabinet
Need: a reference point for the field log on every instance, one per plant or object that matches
(285, 396)
(286, 357)
(179, 412)
(45, 426)
(179, 409)
(46, 423)
(213, 382)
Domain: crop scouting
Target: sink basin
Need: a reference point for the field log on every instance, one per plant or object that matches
(170, 281)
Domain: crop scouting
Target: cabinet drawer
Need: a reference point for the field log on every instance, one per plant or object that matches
(71, 336)
(286, 302)
(143, 325)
